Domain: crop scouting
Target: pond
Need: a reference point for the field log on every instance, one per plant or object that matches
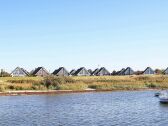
(137, 108)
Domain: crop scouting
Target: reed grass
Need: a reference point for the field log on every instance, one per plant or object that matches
(74, 87)
(82, 83)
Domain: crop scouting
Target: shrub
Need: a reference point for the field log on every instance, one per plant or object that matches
(4, 74)
(11, 87)
(151, 85)
(53, 82)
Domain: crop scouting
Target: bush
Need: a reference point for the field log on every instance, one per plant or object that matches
(151, 85)
(11, 87)
(4, 74)
(53, 82)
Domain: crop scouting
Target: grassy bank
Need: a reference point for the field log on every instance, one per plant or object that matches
(83, 83)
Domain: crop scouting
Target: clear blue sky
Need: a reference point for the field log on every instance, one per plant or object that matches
(75, 33)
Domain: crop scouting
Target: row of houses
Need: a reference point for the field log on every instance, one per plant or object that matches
(41, 71)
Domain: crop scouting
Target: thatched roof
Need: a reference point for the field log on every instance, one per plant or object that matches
(22, 72)
(121, 72)
(102, 72)
(95, 71)
(44, 73)
(82, 72)
(149, 70)
(128, 71)
(166, 71)
(61, 72)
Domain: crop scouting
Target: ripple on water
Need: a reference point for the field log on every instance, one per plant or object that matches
(88, 109)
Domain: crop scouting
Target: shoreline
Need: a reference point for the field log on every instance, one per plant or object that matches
(64, 85)
(55, 92)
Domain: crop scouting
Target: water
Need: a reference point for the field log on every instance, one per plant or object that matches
(88, 109)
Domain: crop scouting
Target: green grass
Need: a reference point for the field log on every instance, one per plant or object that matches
(82, 83)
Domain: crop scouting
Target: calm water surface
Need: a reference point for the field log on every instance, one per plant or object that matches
(88, 109)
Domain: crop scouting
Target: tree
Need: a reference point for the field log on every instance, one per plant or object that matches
(158, 71)
(4, 74)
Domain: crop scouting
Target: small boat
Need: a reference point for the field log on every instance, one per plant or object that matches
(163, 97)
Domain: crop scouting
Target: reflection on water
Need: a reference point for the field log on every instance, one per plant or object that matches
(164, 105)
(88, 109)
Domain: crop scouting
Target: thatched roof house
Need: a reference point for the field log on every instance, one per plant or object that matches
(90, 71)
(149, 70)
(128, 71)
(121, 72)
(103, 72)
(61, 72)
(72, 72)
(166, 71)
(40, 71)
(94, 73)
(82, 72)
(19, 72)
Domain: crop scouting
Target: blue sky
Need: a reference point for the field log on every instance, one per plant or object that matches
(90, 33)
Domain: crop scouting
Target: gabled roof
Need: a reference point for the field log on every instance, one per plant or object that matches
(38, 69)
(61, 72)
(22, 72)
(25, 71)
(90, 71)
(103, 71)
(128, 71)
(148, 70)
(121, 72)
(95, 71)
(72, 72)
(83, 74)
(166, 71)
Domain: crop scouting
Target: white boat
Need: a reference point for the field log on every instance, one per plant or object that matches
(163, 97)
